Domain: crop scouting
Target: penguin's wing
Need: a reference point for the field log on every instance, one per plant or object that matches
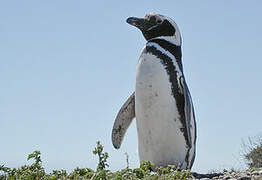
(123, 121)
(189, 113)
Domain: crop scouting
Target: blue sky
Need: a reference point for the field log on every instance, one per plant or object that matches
(66, 67)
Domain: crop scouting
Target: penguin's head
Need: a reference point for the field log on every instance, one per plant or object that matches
(156, 25)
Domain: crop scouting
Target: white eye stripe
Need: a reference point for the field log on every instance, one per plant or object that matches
(158, 18)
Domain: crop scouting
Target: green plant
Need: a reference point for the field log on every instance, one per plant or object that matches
(254, 157)
(102, 164)
(32, 172)
(253, 153)
(146, 171)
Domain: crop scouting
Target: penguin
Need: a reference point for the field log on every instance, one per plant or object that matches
(161, 104)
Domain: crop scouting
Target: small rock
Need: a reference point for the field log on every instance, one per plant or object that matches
(233, 173)
(227, 177)
(244, 178)
(256, 177)
(255, 173)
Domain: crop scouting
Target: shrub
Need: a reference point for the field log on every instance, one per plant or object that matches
(253, 153)
(147, 170)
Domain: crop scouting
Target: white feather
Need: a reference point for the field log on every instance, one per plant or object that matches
(159, 135)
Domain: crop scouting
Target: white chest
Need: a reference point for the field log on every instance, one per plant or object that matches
(153, 88)
(159, 136)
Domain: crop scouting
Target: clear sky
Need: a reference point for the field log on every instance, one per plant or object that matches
(66, 67)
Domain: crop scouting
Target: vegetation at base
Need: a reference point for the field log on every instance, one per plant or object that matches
(35, 171)
(253, 153)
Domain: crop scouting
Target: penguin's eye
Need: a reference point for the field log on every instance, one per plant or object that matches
(152, 19)
(155, 19)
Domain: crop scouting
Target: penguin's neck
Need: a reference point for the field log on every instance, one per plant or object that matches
(172, 39)
(169, 46)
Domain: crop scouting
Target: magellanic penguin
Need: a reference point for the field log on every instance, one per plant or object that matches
(161, 103)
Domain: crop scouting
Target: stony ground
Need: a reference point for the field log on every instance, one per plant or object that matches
(255, 174)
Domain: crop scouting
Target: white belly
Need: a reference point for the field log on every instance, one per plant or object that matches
(160, 139)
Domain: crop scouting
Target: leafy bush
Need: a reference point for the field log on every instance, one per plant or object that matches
(35, 171)
(253, 153)
(146, 171)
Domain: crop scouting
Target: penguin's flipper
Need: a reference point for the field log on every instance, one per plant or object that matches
(123, 121)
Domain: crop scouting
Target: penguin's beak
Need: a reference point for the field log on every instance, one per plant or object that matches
(141, 23)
